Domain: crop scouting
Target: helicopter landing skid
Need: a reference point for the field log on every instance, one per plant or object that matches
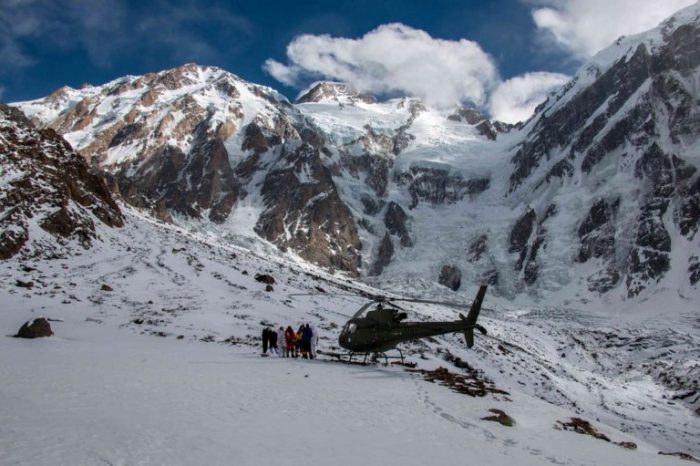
(372, 356)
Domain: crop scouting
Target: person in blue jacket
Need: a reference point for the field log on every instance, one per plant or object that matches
(306, 337)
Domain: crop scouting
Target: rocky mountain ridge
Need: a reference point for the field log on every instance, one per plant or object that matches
(49, 199)
(597, 195)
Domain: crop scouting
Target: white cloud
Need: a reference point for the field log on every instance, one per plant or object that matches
(515, 100)
(393, 58)
(584, 27)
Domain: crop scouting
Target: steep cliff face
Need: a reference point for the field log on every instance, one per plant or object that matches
(49, 198)
(626, 133)
(598, 194)
(304, 212)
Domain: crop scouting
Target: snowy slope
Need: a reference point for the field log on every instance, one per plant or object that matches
(164, 369)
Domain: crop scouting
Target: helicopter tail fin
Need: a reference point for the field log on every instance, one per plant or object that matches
(469, 336)
(472, 316)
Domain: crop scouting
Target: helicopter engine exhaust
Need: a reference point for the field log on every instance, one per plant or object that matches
(472, 316)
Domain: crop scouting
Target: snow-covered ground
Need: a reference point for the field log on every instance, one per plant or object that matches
(165, 369)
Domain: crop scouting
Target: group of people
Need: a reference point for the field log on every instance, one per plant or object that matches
(290, 344)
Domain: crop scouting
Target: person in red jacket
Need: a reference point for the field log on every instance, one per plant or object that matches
(290, 338)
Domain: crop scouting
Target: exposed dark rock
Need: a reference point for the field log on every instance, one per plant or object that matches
(22, 284)
(477, 248)
(486, 127)
(681, 455)
(472, 383)
(340, 92)
(688, 213)
(597, 231)
(477, 185)
(438, 186)
(309, 217)
(520, 235)
(311, 137)
(35, 328)
(604, 280)
(561, 169)
(650, 258)
(371, 206)
(470, 115)
(377, 173)
(127, 134)
(490, 277)
(54, 186)
(396, 221)
(694, 269)
(501, 417)
(269, 288)
(384, 255)
(451, 277)
(265, 278)
(106, 287)
(526, 240)
(581, 426)
(188, 184)
(258, 139)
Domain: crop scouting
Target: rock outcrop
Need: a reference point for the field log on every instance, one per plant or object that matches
(305, 213)
(451, 277)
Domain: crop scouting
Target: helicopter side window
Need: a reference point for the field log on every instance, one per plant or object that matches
(352, 328)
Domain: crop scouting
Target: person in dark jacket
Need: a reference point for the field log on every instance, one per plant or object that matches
(272, 335)
(265, 340)
(306, 335)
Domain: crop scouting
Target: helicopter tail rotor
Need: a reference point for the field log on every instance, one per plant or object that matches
(473, 315)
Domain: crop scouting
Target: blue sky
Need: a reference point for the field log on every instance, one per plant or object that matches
(45, 44)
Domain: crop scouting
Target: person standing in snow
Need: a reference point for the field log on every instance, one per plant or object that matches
(290, 338)
(306, 341)
(282, 344)
(273, 341)
(314, 340)
(299, 341)
(265, 340)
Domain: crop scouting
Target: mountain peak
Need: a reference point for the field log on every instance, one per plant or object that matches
(325, 91)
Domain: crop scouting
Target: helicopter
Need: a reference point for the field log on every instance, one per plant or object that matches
(383, 328)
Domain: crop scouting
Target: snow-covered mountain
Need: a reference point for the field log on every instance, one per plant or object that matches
(50, 200)
(595, 198)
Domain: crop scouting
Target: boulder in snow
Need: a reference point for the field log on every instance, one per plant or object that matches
(35, 328)
(265, 278)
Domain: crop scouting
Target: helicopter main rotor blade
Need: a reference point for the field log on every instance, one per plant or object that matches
(461, 306)
(319, 293)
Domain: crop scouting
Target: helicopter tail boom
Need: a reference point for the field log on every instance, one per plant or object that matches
(473, 316)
